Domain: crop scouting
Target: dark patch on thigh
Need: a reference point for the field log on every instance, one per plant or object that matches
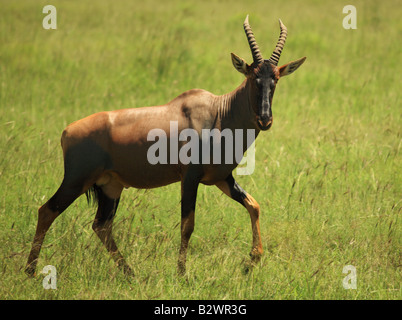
(83, 159)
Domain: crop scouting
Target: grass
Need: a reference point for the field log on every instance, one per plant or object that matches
(327, 178)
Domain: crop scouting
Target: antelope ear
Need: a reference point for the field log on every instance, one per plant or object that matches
(290, 67)
(239, 64)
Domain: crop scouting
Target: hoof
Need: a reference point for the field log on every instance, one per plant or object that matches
(128, 271)
(121, 264)
(30, 272)
(181, 269)
(255, 255)
(30, 269)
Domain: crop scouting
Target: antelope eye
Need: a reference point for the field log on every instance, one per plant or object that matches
(258, 82)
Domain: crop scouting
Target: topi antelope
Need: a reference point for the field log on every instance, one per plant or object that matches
(107, 152)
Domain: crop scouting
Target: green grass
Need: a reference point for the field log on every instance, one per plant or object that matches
(327, 178)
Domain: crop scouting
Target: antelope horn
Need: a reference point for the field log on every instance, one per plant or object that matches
(255, 51)
(274, 59)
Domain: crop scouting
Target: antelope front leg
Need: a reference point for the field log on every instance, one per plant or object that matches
(254, 210)
(189, 187)
(230, 187)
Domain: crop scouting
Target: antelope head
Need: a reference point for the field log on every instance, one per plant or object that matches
(263, 75)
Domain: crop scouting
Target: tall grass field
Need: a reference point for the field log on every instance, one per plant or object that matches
(328, 174)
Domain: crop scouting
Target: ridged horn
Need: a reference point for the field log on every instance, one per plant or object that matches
(255, 51)
(274, 59)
